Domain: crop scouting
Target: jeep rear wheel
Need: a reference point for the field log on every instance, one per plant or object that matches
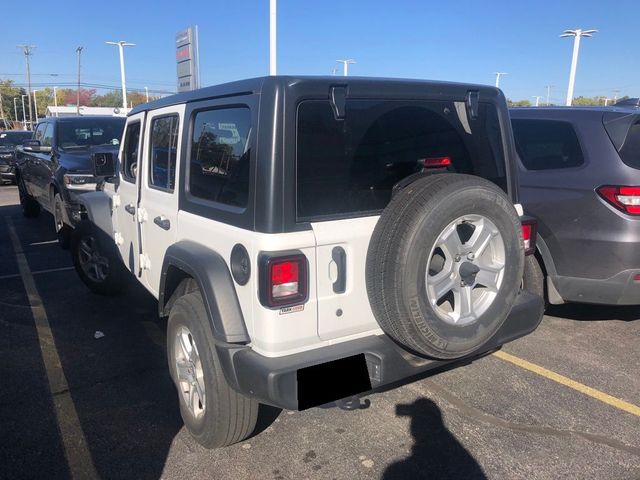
(214, 413)
(445, 264)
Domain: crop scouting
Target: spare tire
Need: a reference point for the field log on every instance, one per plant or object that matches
(445, 264)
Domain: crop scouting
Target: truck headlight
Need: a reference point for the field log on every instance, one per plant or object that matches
(79, 181)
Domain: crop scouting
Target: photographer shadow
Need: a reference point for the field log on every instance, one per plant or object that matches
(436, 452)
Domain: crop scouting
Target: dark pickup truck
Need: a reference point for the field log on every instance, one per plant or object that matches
(55, 166)
(9, 140)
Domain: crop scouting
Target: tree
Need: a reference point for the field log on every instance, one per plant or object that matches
(9, 91)
(86, 96)
(519, 103)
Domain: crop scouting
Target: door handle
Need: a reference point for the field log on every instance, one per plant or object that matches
(162, 222)
(339, 256)
(130, 208)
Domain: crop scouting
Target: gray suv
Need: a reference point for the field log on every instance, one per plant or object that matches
(579, 175)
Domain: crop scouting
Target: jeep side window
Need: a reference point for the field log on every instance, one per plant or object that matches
(546, 144)
(130, 160)
(219, 167)
(164, 144)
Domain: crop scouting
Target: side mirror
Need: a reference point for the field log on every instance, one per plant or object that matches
(31, 146)
(104, 165)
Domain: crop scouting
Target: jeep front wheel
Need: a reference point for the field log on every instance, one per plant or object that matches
(214, 413)
(445, 264)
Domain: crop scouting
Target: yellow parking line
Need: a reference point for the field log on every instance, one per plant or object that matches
(74, 441)
(567, 382)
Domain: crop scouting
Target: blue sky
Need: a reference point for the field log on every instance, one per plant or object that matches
(459, 41)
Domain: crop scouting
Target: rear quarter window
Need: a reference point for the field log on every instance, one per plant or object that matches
(630, 151)
(547, 144)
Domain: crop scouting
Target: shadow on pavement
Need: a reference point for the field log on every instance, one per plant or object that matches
(589, 313)
(436, 453)
(119, 383)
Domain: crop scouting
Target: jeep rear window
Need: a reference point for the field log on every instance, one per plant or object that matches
(348, 167)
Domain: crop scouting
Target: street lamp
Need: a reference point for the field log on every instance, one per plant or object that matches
(35, 103)
(498, 75)
(121, 44)
(24, 116)
(79, 52)
(15, 108)
(577, 34)
(537, 97)
(345, 65)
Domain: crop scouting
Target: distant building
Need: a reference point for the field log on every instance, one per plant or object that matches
(72, 111)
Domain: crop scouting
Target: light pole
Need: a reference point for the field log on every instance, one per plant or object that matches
(35, 103)
(55, 99)
(272, 37)
(24, 114)
(146, 92)
(15, 108)
(548, 87)
(577, 34)
(121, 44)
(345, 65)
(498, 75)
(537, 97)
(79, 51)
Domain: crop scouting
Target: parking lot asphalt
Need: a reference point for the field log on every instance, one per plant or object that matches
(563, 403)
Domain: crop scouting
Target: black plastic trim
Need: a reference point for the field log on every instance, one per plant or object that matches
(274, 380)
(212, 275)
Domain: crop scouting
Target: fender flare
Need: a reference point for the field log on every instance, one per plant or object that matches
(211, 273)
(97, 207)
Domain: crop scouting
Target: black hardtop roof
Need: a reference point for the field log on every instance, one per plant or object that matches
(259, 84)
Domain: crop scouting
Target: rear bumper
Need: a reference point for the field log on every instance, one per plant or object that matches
(316, 377)
(619, 289)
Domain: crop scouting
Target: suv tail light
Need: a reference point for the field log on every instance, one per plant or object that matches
(529, 232)
(626, 199)
(283, 279)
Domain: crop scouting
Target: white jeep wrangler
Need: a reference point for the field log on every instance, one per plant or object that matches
(312, 239)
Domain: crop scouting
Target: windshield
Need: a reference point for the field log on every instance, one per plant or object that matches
(83, 133)
(12, 139)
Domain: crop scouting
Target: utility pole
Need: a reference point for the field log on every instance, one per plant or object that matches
(537, 97)
(146, 92)
(498, 75)
(24, 113)
(345, 65)
(577, 34)
(272, 37)
(548, 87)
(55, 99)
(79, 51)
(121, 44)
(27, 51)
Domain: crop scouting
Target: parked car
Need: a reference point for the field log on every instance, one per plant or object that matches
(55, 166)
(9, 140)
(579, 174)
(311, 239)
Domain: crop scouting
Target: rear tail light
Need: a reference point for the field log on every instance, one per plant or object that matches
(626, 199)
(436, 162)
(529, 232)
(283, 279)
